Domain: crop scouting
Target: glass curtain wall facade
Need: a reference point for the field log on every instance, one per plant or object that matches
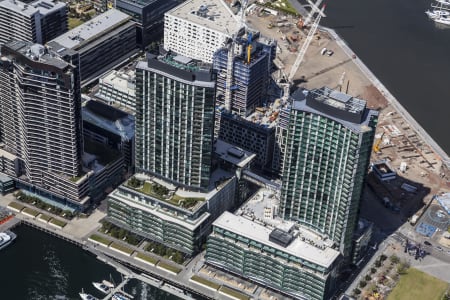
(326, 160)
(174, 123)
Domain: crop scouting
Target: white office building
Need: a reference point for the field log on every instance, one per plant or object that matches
(197, 28)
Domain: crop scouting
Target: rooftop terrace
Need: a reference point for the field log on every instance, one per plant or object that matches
(242, 226)
(215, 15)
(92, 29)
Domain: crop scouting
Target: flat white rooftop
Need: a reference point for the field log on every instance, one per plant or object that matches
(42, 6)
(121, 81)
(92, 29)
(215, 15)
(233, 154)
(259, 233)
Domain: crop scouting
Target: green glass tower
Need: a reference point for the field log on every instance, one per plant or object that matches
(174, 120)
(328, 144)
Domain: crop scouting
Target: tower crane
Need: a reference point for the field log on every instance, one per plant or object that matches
(302, 52)
(230, 58)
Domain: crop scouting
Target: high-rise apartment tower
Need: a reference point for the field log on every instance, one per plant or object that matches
(328, 144)
(174, 120)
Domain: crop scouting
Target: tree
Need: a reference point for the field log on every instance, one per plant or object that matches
(362, 283)
(383, 257)
(373, 270)
(367, 277)
(356, 291)
(394, 259)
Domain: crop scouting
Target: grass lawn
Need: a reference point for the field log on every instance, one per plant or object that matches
(418, 285)
(74, 22)
(100, 239)
(121, 248)
(58, 222)
(205, 282)
(16, 205)
(234, 293)
(283, 5)
(30, 211)
(147, 258)
(169, 267)
(46, 218)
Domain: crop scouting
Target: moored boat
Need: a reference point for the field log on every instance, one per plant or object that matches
(6, 238)
(102, 287)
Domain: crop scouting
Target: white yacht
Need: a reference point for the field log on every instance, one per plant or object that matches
(443, 20)
(102, 287)
(437, 13)
(85, 296)
(6, 238)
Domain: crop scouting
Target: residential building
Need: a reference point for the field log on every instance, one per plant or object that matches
(118, 88)
(41, 133)
(256, 244)
(177, 216)
(251, 136)
(245, 70)
(175, 120)
(149, 16)
(328, 144)
(37, 21)
(197, 29)
(102, 43)
(44, 136)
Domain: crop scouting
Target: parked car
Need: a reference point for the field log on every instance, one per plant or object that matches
(427, 243)
(439, 248)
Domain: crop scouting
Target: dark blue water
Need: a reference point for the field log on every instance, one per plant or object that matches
(38, 266)
(405, 50)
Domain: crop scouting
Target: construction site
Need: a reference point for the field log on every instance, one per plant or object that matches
(310, 56)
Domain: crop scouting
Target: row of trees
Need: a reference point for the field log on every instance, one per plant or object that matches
(161, 250)
(120, 233)
(35, 201)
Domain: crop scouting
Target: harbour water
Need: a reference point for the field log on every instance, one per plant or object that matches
(38, 266)
(405, 50)
(394, 38)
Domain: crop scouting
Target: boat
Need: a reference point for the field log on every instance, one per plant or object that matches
(102, 287)
(6, 238)
(436, 13)
(442, 20)
(85, 296)
(108, 284)
(439, 12)
(119, 296)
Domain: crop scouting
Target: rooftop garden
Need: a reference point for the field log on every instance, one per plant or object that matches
(162, 193)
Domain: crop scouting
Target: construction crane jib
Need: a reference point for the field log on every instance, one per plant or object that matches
(302, 52)
(230, 58)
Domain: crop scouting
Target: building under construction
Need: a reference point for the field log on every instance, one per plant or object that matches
(245, 72)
